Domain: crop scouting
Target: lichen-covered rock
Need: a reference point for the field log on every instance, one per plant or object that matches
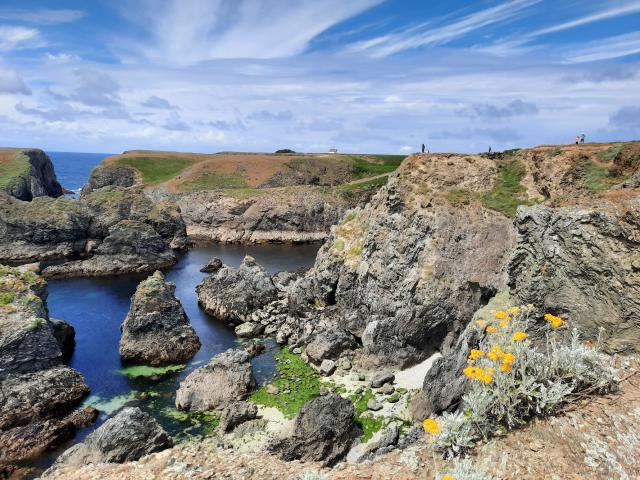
(329, 345)
(34, 175)
(111, 230)
(127, 436)
(231, 294)
(156, 330)
(324, 431)
(583, 263)
(105, 175)
(227, 378)
(212, 265)
(410, 267)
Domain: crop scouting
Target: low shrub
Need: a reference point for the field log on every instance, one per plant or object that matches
(514, 379)
(463, 470)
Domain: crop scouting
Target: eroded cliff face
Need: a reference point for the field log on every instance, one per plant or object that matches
(29, 174)
(407, 272)
(111, 230)
(295, 214)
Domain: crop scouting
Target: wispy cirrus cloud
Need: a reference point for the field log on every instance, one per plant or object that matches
(428, 34)
(18, 38)
(183, 32)
(613, 47)
(41, 16)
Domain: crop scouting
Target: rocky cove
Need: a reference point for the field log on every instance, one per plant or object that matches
(377, 331)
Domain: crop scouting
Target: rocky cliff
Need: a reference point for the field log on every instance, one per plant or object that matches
(37, 391)
(108, 231)
(28, 173)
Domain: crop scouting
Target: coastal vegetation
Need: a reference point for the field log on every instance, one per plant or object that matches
(13, 164)
(156, 170)
(507, 193)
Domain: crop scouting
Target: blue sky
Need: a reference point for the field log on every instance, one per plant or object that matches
(362, 75)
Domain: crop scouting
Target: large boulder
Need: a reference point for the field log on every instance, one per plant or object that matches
(105, 175)
(227, 378)
(126, 437)
(583, 263)
(156, 330)
(231, 294)
(328, 345)
(65, 335)
(323, 431)
(34, 177)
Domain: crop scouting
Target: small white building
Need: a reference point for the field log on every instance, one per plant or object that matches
(333, 150)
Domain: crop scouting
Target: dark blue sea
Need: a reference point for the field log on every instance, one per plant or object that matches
(73, 169)
(97, 306)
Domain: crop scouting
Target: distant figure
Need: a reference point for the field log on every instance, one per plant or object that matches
(423, 148)
(577, 139)
(489, 149)
(582, 137)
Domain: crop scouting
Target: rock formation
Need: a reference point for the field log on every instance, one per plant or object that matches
(105, 175)
(231, 295)
(583, 263)
(127, 436)
(34, 175)
(156, 330)
(227, 378)
(324, 431)
(37, 392)
(111, 230)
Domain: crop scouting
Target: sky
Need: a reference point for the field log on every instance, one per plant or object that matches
(359, 75)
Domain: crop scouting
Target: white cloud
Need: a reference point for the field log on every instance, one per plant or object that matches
(11, 82)
(613, 47)
(189, 31)
(14, 38)
(428, 35)
(43, 16)
(61, 57)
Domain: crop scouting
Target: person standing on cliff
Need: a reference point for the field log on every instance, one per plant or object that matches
(582, 137)
(423, 147)
(577, 139)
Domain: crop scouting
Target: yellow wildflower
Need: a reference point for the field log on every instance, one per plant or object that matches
(508, 358)
(495, 353)
(431, 426)
(505, 367)
(487, 377)
(475, 354)
(503, 324)
(519, 336)
(448, 477)
(502, 315)
(514, 310)
(555, 322)
(491, 329)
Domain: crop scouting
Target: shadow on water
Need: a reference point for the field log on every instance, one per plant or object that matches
(96, 307)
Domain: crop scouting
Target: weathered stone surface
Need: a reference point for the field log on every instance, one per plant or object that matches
(373, 405)
(324, 430)
(105, 175)
(248, 330)
(38, 178)
(156, 330)
(327, 367)
(125, 437)
(381, 442)
(329, 345)
(382, 378)
(227, 378)
(409, 268)
(236, 414)
(65, 335)
(212, 266)
(111, 230)
(583, 263)
(232, 295)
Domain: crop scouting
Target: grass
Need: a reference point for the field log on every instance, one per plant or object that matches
(374, 182)
(36, 323)
(214, 181)
(459, 197)
(13, 168)
(156, 169)
(293, 375)
(369, 423)
(507, 194)
(140, 371)
(364, 168)
(7, 297)
(597, 178)
(610, 153)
